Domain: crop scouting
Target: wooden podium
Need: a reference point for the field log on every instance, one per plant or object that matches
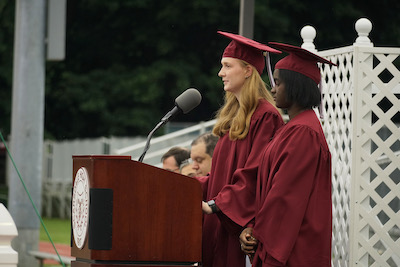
(127, 213)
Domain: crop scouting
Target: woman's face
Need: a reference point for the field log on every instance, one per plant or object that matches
(279, 92)
(233, 74)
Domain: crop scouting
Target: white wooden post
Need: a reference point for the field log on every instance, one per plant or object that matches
(8, 230)
(363, 27)
(375, 196)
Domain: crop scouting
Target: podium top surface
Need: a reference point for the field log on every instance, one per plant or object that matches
(107, 157)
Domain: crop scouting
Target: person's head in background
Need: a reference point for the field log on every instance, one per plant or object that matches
(201, 152)
(186, 168)
(174, 157)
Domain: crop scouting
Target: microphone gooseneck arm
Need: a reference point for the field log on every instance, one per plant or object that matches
(170, 114)
(163, 121)
(146, 147)
(184, 103)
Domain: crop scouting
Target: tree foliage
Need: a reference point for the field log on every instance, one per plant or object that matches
(126, 61)
(6, 55)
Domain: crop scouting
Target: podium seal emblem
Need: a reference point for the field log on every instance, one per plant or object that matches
(80, 207)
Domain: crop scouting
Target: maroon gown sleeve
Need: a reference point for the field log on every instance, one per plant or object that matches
(288, 171)
(236, 200)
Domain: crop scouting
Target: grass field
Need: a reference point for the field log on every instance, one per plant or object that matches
(59, 230)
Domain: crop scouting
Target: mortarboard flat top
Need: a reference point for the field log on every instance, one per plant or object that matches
(246, 49)
(300, 60)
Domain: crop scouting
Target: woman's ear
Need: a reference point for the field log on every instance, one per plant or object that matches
(248, 70)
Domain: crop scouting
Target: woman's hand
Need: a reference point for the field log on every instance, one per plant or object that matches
(206, 208)
(248, 243)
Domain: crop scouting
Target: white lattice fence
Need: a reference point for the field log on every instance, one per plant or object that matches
(376, 218)
(361, 124)
(337, 101)
(361, 108)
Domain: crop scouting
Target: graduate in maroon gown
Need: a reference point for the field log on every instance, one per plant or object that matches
(293, 221)
(245, 124)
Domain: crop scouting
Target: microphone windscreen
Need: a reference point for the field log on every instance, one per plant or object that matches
(188, 100)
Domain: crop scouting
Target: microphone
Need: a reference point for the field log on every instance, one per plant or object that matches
(185, 102)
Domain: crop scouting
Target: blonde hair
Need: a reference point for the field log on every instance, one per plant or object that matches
(235, 115)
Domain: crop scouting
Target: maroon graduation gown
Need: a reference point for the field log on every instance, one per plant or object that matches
(231, 184)
(293, 222)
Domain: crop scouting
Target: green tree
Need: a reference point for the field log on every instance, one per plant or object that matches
(128, 60)
(6, 55)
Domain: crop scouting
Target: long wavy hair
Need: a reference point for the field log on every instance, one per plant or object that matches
(235, 115)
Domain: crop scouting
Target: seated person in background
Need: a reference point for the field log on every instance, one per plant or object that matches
(186, 168)
(174, 157)
(201, 152)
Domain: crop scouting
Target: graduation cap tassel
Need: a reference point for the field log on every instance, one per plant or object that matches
(269, 69)
(320, 107)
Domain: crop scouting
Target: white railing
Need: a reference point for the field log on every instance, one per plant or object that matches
(160, 145)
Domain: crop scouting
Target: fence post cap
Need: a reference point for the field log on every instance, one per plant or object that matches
(363, 27)
(308, 34)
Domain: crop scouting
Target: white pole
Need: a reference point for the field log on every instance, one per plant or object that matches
(27, 120)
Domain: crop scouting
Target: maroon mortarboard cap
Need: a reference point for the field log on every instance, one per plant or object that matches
(246, 49)
(300, 60)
